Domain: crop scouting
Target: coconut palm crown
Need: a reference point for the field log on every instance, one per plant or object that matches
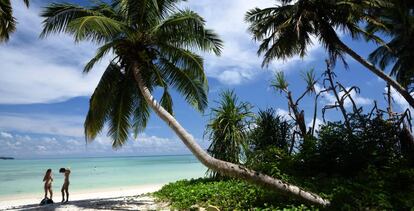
(287, 29)
(7, 20)
(398, 19)
(154, 36)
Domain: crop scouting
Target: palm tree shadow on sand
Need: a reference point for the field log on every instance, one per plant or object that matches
(117, 203)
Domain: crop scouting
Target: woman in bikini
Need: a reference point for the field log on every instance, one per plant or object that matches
(65, 186)
(48, 183)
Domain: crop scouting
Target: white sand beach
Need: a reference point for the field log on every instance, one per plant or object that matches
(129, 198)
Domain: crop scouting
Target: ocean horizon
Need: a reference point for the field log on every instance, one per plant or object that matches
(20, 177)
(83, 157)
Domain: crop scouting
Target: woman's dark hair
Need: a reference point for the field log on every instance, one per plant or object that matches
(48, 172)
(62, 170)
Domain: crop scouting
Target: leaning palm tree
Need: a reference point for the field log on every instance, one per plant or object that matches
(7, 21)
(228, 128)
(286, 30)
(398, 19)
(152, 44)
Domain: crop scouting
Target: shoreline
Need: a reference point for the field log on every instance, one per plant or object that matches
(9, 202)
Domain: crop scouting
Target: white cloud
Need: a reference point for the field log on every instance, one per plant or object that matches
(45, 146)
(318, 123)
(283, 113)
(329, 97)
(239, 62)
(359, 100)
(233, 77)
(400, 100)
(43, 124)
(6, 135)
(53, 135)
(42, 71)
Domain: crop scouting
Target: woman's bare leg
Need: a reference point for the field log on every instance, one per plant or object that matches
(67, 194)
(51, 192)
(63, 194)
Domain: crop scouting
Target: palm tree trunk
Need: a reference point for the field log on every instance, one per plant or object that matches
(223, 167)
(379, 73)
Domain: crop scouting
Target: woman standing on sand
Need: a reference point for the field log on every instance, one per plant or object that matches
(48, 183)
(65, 187)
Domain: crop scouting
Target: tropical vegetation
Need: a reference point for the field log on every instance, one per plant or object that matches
(225, 194)
(362, 165)
(228, 129)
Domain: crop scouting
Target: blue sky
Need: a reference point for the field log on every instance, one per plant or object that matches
(44, 95)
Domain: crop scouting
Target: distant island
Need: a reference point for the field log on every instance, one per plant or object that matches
(6, 158)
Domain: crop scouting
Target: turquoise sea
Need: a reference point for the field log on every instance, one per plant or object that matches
(22, 177)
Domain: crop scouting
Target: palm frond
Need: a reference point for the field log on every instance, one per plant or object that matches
(143, 14)
(186, 29)
(100, 53)
(7, 21)
(96, 28)
(280, 33)
(280, 83)
(183, 59)
(100, 102)
(122, 108)
(26, 2)
(141, 113)
(166, 101)
(191, 86)
(310, 79)
(381, 56)
(59, 15)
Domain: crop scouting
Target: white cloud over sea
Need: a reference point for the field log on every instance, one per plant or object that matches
(34, 145)
(51, 135)
(61, 125)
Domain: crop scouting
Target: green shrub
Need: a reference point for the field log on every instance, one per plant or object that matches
(225, 194)
(373, 142)
(227, 129)
(269, 144)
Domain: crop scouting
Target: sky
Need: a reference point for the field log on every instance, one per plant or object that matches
(44, 95)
